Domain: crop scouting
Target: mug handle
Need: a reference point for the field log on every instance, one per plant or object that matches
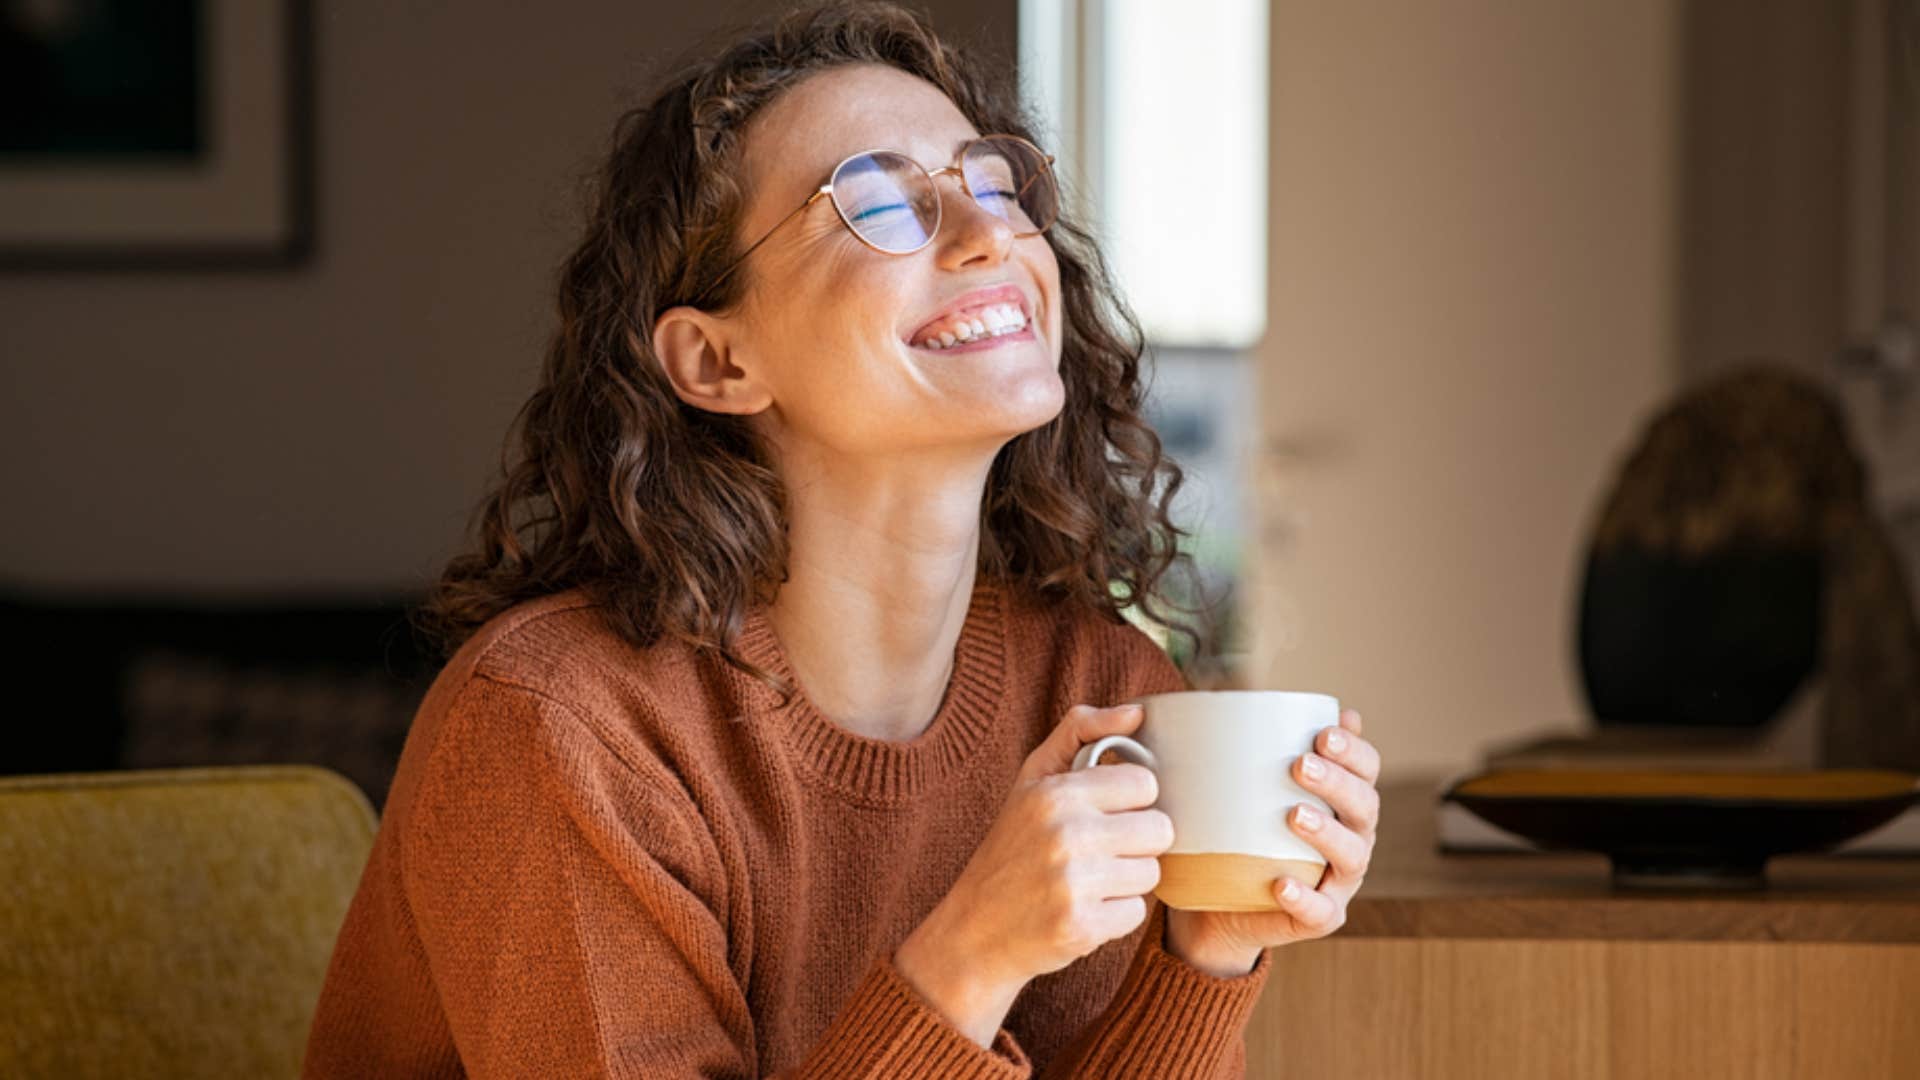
(1127, 747)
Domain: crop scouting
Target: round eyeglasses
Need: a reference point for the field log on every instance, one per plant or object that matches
(888, 200)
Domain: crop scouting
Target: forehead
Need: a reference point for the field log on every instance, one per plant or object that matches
(794, 142)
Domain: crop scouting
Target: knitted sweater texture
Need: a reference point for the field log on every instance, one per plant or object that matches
(597, 860)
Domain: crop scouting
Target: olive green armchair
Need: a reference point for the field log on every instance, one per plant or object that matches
(173, 922)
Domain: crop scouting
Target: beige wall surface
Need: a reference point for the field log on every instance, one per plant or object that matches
(1470, 315)
(331, 426)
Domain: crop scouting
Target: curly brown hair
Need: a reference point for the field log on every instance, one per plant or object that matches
(672, 517)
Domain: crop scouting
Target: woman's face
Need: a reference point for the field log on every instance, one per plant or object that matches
(828, 327)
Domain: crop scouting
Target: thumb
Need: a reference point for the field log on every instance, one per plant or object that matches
(1082, 724)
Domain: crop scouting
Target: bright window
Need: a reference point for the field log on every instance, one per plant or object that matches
(1159, 112)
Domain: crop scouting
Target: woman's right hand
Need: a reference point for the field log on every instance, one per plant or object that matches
(1062, 870)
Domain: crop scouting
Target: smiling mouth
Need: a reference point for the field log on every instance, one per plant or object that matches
(976, 327)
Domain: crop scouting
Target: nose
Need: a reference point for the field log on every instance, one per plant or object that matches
(969, 232)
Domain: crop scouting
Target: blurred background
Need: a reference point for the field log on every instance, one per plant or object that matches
(1434, 290)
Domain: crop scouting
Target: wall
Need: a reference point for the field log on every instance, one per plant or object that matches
(1469, 317)
(1799, 236)
(330, 427)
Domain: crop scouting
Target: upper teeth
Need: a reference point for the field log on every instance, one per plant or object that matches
(986, 322)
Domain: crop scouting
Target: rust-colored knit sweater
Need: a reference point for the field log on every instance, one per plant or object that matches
(603, 861)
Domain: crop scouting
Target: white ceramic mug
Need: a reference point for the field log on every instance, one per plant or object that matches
(1224, 760)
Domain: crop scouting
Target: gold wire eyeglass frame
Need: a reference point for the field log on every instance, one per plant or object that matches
(939, 204)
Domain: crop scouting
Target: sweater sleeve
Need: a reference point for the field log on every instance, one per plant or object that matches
(571, 905)
(1168, 1019)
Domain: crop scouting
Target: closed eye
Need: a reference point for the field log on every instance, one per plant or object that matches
(878, 210)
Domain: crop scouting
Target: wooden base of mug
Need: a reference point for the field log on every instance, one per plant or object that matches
(1221, 881)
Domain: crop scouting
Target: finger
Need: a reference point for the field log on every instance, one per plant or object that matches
(1120, 916)
(1341, 889)
(1130, 877)
(1354, 800)
(1347, 852)
(1081, 725)
(1356, 753)
(1146, 833)
(1316, 913)
(1350, 719)
(1113, 788)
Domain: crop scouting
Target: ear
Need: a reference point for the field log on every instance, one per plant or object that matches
(693, 347)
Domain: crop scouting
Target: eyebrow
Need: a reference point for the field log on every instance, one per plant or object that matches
(952, 153)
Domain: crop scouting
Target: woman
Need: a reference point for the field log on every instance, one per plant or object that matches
(754, 755)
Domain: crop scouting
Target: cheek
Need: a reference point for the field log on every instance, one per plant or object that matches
(844, 372)
(1046, 271)
(833, 323)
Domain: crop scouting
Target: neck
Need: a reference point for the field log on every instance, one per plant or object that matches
(881, 566)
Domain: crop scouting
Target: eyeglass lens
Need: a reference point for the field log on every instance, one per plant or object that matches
(891, 202)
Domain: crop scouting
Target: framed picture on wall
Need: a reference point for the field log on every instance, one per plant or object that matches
(154, 133)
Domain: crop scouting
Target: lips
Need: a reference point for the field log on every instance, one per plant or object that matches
(998, 294)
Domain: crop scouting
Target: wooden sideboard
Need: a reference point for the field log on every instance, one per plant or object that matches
(1533, 965)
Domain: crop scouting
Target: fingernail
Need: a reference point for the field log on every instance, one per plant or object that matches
(1336, 742)
(1311, 765)
(1308, 818)
(1289, 890)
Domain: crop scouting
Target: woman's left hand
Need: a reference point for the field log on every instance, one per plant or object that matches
(1228, 943)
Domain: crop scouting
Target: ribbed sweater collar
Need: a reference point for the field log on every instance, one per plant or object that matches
(878, 771)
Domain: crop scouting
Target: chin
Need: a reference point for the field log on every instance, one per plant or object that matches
(1034, 403)
(994, 396)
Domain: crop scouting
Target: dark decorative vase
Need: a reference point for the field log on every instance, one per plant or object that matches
(1721, 641)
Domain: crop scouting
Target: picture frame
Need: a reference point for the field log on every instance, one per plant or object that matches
(197, 154)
